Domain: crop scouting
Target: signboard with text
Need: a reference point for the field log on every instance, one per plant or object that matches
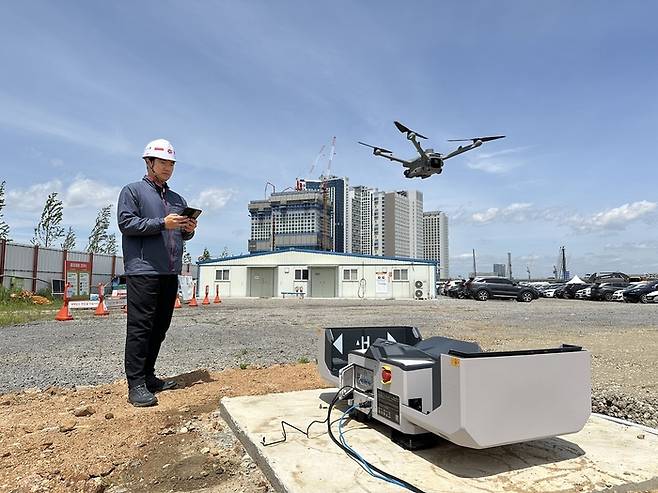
(381, 283)
(78, 275)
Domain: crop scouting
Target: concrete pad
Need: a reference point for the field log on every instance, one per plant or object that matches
(603, 456)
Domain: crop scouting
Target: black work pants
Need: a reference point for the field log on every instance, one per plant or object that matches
(150, 307)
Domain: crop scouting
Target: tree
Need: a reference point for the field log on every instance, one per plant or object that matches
(48, 230)
(69, 240)
(225, 253)
(110, 245)
(98, 237)
(205, 255)
(4, 227)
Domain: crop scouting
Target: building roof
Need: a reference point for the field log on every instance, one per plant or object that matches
(319, 252)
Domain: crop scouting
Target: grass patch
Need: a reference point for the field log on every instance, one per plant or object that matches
(303, 360)
(244, 366)
(15, 314)
(17, 310)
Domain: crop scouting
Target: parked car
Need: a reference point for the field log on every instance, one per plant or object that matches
(483, 288)
(455, 289)
(559, 291)
(601, 277)
(652, 297)
(604, 291)
(570, 290)
(547, 288)
(583, 294)
(619, 294)
(638, 294)
(549, 293)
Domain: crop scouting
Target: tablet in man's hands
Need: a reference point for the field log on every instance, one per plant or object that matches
(191, 212)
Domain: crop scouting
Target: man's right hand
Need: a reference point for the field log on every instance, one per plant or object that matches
(175, 221)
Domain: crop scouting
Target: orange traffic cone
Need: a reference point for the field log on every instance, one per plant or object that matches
(217, 298)
(177, 304)
(206, 301)
(101, 309)
(193, 302)
(64, 313)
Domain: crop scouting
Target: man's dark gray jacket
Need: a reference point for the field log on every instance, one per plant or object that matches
(149, 248)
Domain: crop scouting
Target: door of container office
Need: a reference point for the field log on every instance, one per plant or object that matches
(261, 282)
(323, 282)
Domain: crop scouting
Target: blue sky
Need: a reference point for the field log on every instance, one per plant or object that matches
(248, 92)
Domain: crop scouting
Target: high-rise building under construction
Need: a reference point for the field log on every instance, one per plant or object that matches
(291, 219)
(337, 190)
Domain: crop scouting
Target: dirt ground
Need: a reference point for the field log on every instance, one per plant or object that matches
(180, 445)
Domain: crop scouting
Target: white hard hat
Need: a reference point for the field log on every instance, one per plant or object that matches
(160, 148)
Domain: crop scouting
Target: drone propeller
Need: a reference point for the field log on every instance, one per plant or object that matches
(481, 139)
(406, 130)
(380, 149)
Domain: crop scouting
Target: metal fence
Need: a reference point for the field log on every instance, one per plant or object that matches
(34, 268)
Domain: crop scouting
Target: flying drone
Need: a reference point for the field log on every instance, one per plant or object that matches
(429, 162)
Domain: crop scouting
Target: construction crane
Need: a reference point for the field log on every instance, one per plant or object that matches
(299, 182)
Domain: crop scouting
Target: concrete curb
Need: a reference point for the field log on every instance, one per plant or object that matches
(252, 449)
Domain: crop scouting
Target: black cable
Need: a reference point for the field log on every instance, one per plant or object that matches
(284, 424)
(305, 433)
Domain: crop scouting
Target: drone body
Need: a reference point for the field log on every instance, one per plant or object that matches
(429, 162)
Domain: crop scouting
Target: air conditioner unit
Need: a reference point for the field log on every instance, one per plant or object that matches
(419, 292)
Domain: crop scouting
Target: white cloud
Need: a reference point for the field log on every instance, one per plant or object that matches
(80, 193)
(616, 218)
(213, 199)
(516, 212)
(83, 192)
(496, 162)
(33, 198)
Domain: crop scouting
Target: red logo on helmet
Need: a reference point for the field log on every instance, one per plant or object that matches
(158, 148)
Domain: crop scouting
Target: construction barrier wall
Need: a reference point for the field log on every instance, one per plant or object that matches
(33, 268)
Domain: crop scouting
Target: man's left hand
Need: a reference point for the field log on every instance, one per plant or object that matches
(190, 225)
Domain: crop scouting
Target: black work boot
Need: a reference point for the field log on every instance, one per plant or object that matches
(141, 396)
(155, 384)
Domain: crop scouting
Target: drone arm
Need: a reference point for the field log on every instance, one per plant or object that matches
(392, 158)
(412, 137)
(462, 149)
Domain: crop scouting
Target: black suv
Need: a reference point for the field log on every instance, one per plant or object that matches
(483, 288)
(639, 293)
(602, 277)
(604, 291)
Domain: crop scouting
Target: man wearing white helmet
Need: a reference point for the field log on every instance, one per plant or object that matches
(153, 232)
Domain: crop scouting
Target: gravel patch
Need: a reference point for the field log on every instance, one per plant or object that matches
(623, 340)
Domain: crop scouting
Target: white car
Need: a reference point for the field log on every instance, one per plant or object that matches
(583, 294)
(618, 295)
(652, 297)
(549, 293)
